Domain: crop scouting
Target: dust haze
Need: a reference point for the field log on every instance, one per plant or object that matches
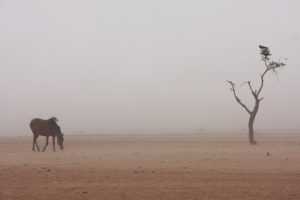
(140, 66)
(140, 92)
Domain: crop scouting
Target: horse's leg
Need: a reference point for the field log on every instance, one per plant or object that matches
(53, 138)
(35, 136)
(37, 146)
(47, 137)
(33, 144)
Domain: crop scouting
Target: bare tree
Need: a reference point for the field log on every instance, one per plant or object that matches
(269, 66)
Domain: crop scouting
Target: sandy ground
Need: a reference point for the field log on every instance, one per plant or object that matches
(166, 166)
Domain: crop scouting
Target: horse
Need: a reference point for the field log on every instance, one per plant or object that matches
(46, 128)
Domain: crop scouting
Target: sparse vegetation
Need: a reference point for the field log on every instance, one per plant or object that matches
(270, 65)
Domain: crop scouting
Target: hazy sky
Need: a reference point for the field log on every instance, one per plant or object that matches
(145, 66)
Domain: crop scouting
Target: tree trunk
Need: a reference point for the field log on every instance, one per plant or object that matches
(251, 123)
(251, 130)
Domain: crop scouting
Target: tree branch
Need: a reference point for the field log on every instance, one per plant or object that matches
(265, 61)
(269, 66)
(262, 81)
(252, 91)
(238, 99)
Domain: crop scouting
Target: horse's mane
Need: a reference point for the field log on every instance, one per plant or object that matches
(54, 119)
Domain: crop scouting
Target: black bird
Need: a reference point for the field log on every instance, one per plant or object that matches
(264, 51)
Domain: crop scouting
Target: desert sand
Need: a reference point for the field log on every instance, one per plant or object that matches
(153, 166)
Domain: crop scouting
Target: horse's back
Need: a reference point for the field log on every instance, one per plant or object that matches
(44, 127)
(37, 125)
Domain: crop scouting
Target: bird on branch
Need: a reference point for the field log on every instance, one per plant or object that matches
(264, 51)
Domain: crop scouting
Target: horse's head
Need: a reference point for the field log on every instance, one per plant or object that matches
(60, 141)
(60, 136)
